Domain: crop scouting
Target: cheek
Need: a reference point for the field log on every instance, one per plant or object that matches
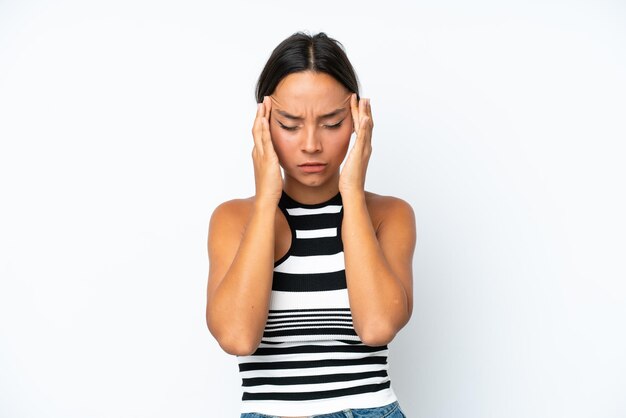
(283, 145)
(338, 142)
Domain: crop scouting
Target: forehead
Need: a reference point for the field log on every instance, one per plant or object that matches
(308, 91)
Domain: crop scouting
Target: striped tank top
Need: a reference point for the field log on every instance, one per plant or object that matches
(310, 360)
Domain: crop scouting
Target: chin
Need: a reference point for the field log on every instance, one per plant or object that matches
(311, 180)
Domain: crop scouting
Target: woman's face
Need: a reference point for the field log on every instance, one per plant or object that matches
(310, 124)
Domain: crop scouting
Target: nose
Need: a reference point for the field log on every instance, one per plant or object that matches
(310, 142)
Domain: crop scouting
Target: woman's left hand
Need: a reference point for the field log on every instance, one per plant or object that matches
(352, 176)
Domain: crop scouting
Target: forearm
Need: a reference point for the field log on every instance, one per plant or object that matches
(378, 300)
(239, 305)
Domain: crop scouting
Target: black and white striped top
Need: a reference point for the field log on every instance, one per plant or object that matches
(310, 360)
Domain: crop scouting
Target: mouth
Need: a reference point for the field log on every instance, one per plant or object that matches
(311, 163)
(312, 167)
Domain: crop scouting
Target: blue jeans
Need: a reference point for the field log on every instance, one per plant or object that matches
(388, 411)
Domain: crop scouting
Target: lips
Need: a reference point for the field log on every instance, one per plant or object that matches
(311, 163)
(312, 166)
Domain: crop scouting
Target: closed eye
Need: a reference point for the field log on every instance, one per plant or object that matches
(335, 126)
(287, 128)
(293, 128)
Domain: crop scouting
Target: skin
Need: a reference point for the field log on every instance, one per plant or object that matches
(246, 236)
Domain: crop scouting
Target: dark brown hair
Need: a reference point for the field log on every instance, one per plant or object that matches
(303, 52)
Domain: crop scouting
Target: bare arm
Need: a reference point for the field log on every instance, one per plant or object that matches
(241, 252)
(378, 262)
(379, 268)
(240, 276)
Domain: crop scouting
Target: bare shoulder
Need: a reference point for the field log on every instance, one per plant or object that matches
(232, 214)
(383, 208)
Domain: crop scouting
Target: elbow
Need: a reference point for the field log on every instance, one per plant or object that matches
(376, 335)
(238, 346)
(379, 332)
(234, 343)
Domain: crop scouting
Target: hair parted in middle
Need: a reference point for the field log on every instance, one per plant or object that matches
(304, 52)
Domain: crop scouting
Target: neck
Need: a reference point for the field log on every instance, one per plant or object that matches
(310, 195)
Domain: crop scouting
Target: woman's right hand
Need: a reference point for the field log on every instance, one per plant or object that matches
(267, 178)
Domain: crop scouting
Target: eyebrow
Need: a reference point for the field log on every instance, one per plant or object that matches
(327, 115)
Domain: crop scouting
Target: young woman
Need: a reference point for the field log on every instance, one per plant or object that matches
(311, 277)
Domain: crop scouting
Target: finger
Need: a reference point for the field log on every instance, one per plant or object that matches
(268, 112)
(257, 128)
(370, 122)
(366, 127)
(360, 118)
(362, 107)
(266, 120)
(369, 112)
(355, 113)
(268, 107)
(364, 141)
(358, 142)
(363, 128)
(257, 117)
(267, 136)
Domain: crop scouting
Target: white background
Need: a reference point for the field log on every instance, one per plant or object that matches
(124, 123)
